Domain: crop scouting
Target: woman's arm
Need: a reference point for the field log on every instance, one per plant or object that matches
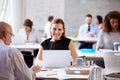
(39, 56)
(73, 50)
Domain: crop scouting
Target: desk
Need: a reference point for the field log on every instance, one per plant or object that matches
(90, 57)
(86, 39)
(59, 74)
(27, 47)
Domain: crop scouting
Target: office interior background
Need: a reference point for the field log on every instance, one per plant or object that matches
(71, 11)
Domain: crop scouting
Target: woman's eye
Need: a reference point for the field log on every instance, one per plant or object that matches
(54, 28)
(59, 29)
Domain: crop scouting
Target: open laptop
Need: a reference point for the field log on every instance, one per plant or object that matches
(56, 58)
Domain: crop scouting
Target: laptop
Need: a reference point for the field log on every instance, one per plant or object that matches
(56, 58)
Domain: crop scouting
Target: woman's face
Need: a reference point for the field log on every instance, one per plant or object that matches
(97, 22)
(114, 22)
(57, 31)
(27, 28)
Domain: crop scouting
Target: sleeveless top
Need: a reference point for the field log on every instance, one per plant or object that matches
(61, 44)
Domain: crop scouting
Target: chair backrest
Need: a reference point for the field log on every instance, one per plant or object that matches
(112, 62)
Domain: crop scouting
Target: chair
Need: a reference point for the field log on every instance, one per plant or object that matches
(112, 66)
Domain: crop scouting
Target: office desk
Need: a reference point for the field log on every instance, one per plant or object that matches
(27, 47)
(90, 57)
(59, 74)
(86, 39)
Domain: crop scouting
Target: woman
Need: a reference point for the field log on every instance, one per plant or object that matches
(110, 32)
(29, 34)
(58, 41)
(99, 21)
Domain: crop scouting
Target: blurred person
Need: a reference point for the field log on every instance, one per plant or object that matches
(12, 65)
(88, 30)
(99, 21)
(110, 32)
(29, 34)
(47, 27)
(58, 40)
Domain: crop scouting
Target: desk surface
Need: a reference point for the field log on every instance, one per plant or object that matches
(55, 74)
(26, 46)
(86, 39)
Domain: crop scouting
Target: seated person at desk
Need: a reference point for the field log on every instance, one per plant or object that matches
(110, 33)
(58, 41)
(87, 30)
(29, 35)
(12, 65)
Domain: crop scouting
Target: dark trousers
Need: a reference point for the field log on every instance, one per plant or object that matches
(86, 45)
(28, 57)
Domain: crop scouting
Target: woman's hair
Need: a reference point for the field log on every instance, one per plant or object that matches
(28, 23)
(57, 21)
(106, 23)
(99, 18)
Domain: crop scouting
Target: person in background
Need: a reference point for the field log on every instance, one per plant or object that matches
(99, 21)
(58, 40)
(29, 34)
(89, 30)
(12, 65)
(47, 27)
(110, 32)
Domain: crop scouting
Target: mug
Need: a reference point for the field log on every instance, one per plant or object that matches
(116, 44)
(79, 61)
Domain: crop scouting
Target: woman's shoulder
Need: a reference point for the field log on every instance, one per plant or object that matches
(66, 39)
(47, 40)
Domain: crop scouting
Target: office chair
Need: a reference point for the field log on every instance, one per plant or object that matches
(112, 66)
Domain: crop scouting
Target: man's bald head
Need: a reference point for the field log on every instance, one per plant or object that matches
(4, 26)
(4, 29)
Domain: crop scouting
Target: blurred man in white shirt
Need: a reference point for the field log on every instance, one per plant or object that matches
(12, 65)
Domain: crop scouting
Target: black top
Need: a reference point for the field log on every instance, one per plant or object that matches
(57, 45)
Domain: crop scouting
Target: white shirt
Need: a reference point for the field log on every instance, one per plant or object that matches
(93, 29)
(34, 36)
(12, 65)
(47, 30)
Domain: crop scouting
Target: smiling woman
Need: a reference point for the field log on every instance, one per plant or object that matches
(58, 41)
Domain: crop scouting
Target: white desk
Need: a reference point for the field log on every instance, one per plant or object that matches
(86, 39)
(59, 74)
(27, 47)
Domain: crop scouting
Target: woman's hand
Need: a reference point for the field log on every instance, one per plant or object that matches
(35, 68)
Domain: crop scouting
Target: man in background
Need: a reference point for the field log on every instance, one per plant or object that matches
(47, 27)
(88, 30)
(12, 65)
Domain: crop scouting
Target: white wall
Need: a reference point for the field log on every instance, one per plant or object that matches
(39, 10)
(17, 14)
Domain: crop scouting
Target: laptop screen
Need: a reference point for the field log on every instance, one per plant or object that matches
(56, 58)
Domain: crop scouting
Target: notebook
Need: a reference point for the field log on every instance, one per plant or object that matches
(56, 58)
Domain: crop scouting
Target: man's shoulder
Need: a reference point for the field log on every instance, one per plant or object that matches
(13, 50)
